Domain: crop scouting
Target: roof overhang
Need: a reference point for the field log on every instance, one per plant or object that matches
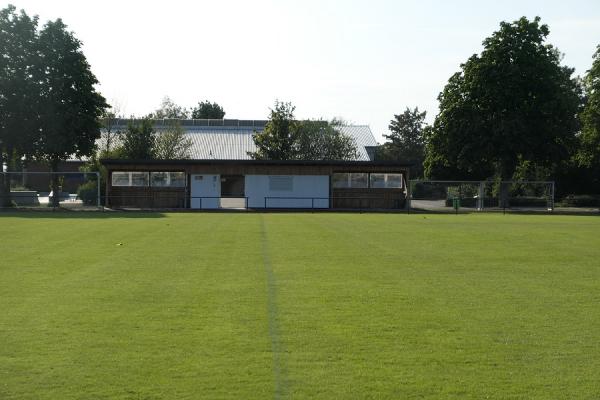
(337, 163)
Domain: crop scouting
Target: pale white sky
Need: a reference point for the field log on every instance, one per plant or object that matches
(363, 61)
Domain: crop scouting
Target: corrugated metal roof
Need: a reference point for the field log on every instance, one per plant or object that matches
(363, 137)
(221, 144)
(231, 142)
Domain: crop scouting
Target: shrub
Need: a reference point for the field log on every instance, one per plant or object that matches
(581, 200)
(88, 192)
(464, 202)
(527, 202)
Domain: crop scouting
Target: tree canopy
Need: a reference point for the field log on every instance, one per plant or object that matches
(285, 138)
(276, 141)
(323, 140)
(49, 107)
(172, 143)
(18, 93)
(69, 106)
(208, 110)
(512, 103)
(406, 141)
(169, 110)
(585, 173)
(139, 140)
(590, 116)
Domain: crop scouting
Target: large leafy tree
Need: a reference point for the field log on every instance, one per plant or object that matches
(511, 104)
(323, 140)
(589, 154)
(18, 95)
(285, 138)
(406, 140)
(139, 141)
(208, 110)
(69, 107)
(276, 141)
(590, 116)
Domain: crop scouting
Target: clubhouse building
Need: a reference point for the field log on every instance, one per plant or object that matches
(221, 175)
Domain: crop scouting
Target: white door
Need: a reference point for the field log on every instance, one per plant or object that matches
(205, 191)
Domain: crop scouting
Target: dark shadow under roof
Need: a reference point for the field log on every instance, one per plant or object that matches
(257, 162)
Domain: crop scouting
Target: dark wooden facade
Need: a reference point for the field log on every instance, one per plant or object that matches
(348, 198)
(147, 197)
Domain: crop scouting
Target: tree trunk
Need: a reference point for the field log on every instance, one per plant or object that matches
(54, 184)
(507, 172)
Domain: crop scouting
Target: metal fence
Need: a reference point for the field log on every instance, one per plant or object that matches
(454, 196)
(82, 191)
(180, 200)
(34, 190)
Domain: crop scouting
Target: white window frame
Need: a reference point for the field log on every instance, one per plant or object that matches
(130, 178)
(349, 180)
(112, 178)
(385, 180)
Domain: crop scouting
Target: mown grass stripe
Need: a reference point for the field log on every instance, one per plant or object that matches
(279, 368)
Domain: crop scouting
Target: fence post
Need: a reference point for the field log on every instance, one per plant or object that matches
(98, 188)
(552, 197)
(481, 196)
(408, 195)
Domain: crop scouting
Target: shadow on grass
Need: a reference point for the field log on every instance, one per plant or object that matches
(45, 214)
(571, 212)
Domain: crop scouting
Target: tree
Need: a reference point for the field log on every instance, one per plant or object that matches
(285, 138)
(323, 140)
(169, 110)
(88, 190)
(406, 142)
(276, 141)
(590, 116)
(139, 140)
(588, 158)
(172, 143)
(69, 107)
(513, 103)
(18, 95)
(208, 110)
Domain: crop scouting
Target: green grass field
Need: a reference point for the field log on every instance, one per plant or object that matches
(302, 306)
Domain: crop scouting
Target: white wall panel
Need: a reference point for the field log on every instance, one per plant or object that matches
(303, 188)
(205, 191)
